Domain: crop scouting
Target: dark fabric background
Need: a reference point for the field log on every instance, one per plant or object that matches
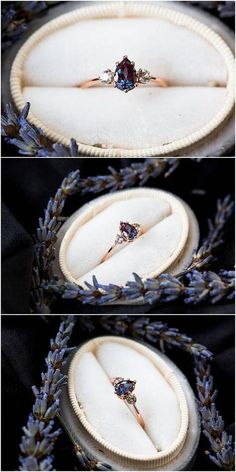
(27, 184)
(25, 344)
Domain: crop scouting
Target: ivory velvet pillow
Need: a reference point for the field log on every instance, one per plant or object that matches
(109, 417)
(148, 117)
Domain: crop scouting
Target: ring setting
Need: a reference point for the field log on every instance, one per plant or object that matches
(125, 77)
(124, 388)
(127, 234)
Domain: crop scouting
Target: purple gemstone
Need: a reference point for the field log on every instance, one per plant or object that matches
(129, 231)
(125, 75)
(124, 387)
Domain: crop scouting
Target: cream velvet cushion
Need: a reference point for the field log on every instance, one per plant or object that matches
(110, 417)
(106, 427)
(148, 116)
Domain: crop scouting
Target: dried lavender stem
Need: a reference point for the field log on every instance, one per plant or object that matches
(39, 436)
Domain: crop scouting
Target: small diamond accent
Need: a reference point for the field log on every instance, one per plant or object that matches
(119, 239)
(144, 76)
(107, 77)
(131, 399)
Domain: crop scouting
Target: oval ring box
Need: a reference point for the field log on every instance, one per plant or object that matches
(171, 234)
(105, 426)
(190, 117)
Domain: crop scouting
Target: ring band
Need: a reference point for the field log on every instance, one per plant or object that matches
(128, 233)
(125, 77)
(124, 388)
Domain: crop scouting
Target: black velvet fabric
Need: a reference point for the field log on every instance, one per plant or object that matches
(25, 344)
(27, 185)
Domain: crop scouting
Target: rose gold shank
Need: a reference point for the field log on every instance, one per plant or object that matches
(160, 82)
(139, 417)
(90, 83)
(136, 411)
(108, 254)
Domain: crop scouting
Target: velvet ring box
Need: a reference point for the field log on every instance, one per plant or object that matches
(105, 425)
(170, 235)
(148, 121)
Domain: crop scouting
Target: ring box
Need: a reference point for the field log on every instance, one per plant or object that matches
(170, 235)
(105, 426)
(190, 117)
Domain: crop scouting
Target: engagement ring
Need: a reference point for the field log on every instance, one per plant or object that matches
(125, 77)
(128, 233)
(124, 388)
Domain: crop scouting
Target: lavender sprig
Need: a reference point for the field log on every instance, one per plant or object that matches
(154, 332)
(204, 255)
(45, 239)
(221, 447)
(40, 434)
(12, 123)
(221, 450)
(198, 287)
(87, 462)
(15, 18)
(30, 140)
(210, 286)
(134, 174)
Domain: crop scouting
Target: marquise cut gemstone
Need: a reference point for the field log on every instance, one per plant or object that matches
(129, 231)
(125, 75)
(124, 387)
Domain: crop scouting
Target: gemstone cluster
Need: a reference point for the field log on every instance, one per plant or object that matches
(128, 232)
(125, 77)
(124, 388)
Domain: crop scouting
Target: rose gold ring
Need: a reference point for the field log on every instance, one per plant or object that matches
(128, 233)
(124, 388)
(125, 77)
